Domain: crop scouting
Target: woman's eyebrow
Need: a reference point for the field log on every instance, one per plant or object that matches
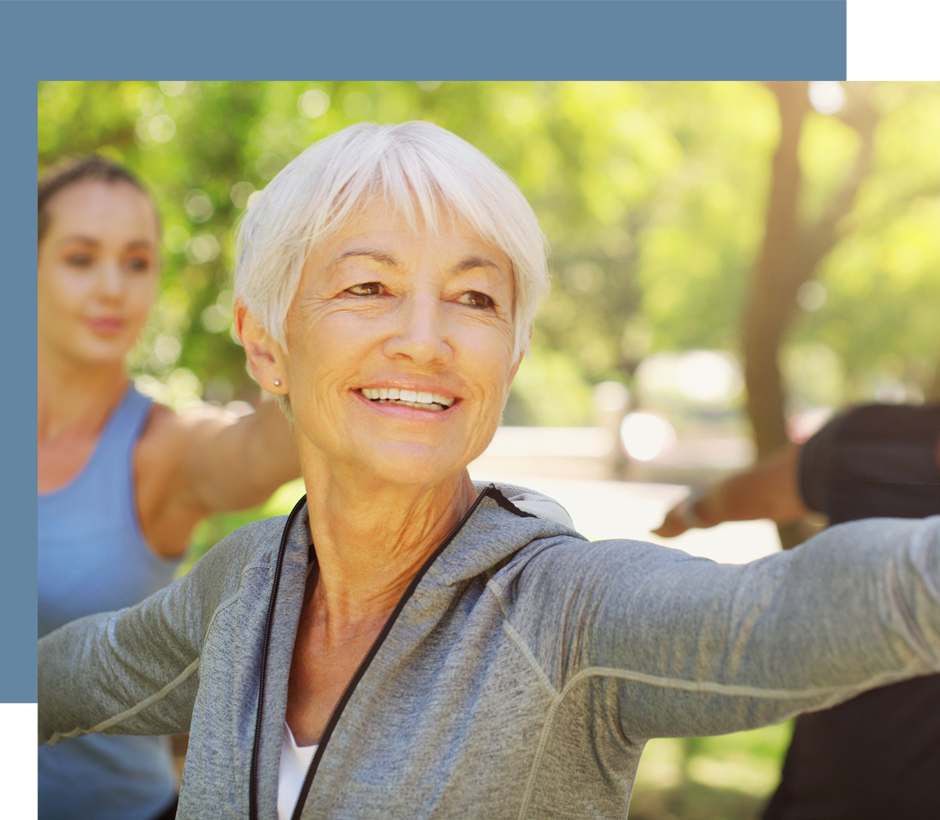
(385, 258)
(379, 256)
(84, 240)
(472, 262)
(88, 240)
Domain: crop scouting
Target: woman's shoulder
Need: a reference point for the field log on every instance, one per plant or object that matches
(168, 431)
(532, 503)
(167, 499)
(162, 443)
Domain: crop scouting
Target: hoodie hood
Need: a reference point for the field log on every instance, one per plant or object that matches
(504, 519)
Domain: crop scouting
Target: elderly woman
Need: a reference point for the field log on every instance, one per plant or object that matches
(406, 644)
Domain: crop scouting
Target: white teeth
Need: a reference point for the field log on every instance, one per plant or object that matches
(411, 398)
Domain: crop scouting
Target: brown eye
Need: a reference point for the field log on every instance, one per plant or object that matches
(138, 265)
(475, 299)
(365, 289)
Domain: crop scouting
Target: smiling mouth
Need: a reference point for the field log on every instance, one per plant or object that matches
(408, 398)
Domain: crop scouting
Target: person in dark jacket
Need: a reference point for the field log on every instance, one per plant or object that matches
(877, 755)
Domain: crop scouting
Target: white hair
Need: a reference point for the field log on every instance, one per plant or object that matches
(421, 171)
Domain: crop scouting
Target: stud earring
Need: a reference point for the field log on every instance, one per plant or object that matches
(277, 382)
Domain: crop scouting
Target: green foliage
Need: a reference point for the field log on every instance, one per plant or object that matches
(652, 195)
(728, 777)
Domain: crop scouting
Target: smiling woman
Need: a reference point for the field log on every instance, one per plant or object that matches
(383, 306)
(406, 644)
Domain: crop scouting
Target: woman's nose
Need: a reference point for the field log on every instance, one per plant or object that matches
(110, 279)
(420, 331)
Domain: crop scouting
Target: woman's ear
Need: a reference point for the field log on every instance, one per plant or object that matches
(265, 357)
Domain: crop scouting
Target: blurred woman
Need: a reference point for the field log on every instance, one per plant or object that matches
(122, 481)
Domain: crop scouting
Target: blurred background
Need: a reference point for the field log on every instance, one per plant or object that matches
(731, 263)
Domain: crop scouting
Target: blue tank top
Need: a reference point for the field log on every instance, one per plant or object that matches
(93, 558)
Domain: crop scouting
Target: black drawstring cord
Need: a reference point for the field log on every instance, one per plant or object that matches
(269, 623)
(490, 491)
(376, 644)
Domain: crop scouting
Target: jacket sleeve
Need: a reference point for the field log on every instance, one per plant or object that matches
(675, 645)
(136, 670)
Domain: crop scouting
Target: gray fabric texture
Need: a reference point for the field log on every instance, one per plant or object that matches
(523, 676)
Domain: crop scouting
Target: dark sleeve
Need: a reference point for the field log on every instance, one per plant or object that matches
(874, 461)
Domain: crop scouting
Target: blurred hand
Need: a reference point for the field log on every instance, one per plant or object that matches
(768, 489)
(679, 519)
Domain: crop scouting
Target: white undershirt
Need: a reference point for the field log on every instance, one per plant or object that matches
(295, 761)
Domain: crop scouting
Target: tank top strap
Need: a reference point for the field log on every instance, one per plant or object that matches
(112, 462)
(126, 422)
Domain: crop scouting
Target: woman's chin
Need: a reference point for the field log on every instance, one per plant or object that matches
(409, 464)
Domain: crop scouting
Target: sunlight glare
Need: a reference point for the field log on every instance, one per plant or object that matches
(708, 377)
(646, 435)
(313, 103)
(827, 97)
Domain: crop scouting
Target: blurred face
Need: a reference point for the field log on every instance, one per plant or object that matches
(98, 269)
(399, 353)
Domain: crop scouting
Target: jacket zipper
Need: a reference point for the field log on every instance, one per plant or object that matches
(360, 670)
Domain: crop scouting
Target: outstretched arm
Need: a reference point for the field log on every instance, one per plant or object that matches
(678, 645)
(237, 462)
(134, 671)
(137, 670)
(207, 460)
(769, 489)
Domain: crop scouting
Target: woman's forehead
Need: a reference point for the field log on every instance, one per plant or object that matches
(379, 224)
(90, 200)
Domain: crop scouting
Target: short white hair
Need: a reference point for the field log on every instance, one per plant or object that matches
(420, 170)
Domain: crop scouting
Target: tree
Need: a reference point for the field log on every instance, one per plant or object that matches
(791, 253)
(652, 196)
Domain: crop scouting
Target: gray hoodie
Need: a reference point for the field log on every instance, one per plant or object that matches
(520, 675)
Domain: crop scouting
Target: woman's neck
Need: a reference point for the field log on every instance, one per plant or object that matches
(76, 402)
(371, 540)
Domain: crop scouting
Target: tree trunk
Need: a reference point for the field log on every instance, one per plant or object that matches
(933, 389)
(776, 279)
(789, 258)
